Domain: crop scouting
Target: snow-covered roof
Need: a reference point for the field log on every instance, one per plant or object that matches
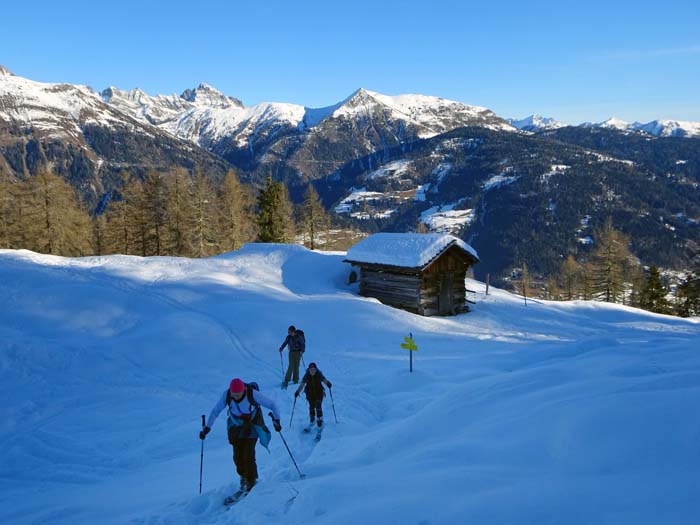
(404, 250)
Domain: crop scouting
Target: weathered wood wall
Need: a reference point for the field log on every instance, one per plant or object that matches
(433, 280)
(397, 289)
(421, 292)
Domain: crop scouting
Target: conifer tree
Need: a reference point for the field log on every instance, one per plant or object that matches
(62, 225)
(637, 281)
(179, 213)
(315, 220)
(689, 293)
(137, 220)
(6, 208)
(608, 264)
(203, 239)
(525, 284)
(586, 281)
(99, 227)
(653, 295)
(155, 213)
(275, 213)
(570, 277)
(552, 289)
(119, 234)
(235, 215)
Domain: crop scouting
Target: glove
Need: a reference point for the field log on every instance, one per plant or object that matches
(296, 394)
(280, 350)
(329, 384)
(277, 425)
(204, 432)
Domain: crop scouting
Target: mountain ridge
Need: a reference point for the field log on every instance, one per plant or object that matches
(381, 163)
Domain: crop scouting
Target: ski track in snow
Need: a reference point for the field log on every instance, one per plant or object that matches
(552, 413)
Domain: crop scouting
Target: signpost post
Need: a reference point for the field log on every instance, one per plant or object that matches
(409, 344)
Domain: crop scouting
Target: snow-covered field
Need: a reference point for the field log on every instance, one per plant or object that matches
(551, 413)
(445, 219)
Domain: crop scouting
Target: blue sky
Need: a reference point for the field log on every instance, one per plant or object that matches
(574, 61)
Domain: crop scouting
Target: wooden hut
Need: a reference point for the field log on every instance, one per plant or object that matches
(421, 273)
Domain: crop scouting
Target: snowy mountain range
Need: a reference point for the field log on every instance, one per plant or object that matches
(219, 123)
(223, 125)
(658, 128)
(536, 123)
(56, 110)
(216, 122)
(378, 162)
(206, 116)
(86, 140)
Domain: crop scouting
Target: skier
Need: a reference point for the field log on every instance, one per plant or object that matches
(245, 425)
(312, 383)
(297, 345)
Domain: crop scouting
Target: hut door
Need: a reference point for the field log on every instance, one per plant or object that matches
(445, 298)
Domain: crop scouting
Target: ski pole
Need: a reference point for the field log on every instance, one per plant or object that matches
(302, 360)
(333, 404)
(293, 406)
(302, 476)
(201, 457)
(282, 364)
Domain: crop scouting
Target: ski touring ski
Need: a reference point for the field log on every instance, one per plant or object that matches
(307, 430)
(236, 497)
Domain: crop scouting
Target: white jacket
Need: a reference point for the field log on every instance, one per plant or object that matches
(243, 407)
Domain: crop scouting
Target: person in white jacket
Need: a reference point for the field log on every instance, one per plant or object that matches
(245, 426)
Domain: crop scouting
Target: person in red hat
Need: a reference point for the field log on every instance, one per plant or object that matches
(245, 426)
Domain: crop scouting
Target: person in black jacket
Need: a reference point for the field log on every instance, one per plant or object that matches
(312, 383)
(297, 345)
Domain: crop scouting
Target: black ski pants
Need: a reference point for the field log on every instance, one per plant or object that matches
(316, 411)
(244, 458)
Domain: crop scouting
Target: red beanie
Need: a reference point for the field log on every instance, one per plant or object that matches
(237, 386)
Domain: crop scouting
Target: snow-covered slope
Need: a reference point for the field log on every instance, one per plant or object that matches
(209, 119)
(54, 109)
(548, 413)
(616, 123)
(611, 123)
(203, 115)
(670, 128)
(536, 123)
(161, 110)
(431, 115)
(658, 128)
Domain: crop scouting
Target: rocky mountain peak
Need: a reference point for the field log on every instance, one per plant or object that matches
(358, 98)
(111, 93)
(207, 95)
(535, 123)
(4, 71)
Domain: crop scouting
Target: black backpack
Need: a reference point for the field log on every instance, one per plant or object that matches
(303, 339)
